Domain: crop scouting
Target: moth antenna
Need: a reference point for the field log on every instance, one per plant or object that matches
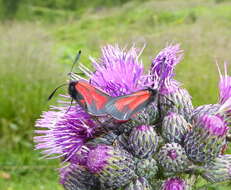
(75, 61)
(54, 91)
(70, 105)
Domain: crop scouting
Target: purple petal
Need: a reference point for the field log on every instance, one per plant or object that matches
(163, 66)
(118, 71)
(61, 133)
(224, 85)
(214, 124)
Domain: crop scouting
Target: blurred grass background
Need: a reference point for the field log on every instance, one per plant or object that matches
(38, 37)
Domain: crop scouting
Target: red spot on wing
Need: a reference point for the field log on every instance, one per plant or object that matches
(84, 92)
(92, 94)
(100, 98)
(82, 102)
(133, 101)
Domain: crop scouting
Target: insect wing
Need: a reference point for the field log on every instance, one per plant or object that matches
(123, 107)
(91, 98)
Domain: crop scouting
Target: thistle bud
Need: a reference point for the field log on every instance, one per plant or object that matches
(107, 139)
(182, 103)
(173, 158)
(147, 168)
(205, 141)
(122, 141)
(209, 109)
(174, 127)
(139, 184)
(114, 167)
(218, 170)
(76, 177)
(175, 183)
(143, 141)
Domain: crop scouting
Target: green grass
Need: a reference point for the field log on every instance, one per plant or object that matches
(24, 170)
(29, 70)
(34, 59)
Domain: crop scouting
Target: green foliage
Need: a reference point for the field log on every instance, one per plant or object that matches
(50, 10)
(221, 1)
(25, 86)
(23, 170)
(75, 4)
(9, 8)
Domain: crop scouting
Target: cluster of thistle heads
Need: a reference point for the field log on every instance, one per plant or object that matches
(166, 146)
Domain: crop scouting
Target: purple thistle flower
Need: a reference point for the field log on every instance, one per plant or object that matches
(113, 166)
(163, 66)
(97, 158)
(118, 71)
(62, 133)
(224, 85)
(213, 124)
(172, 157)
(162, 69)
(206, 139)
(225, 92)
(223, 107)
(174, 184)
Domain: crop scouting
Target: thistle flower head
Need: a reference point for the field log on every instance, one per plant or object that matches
(143, 141)
(174, 127)
(118, 71)
(213, 124)
(113, 166)
(172, 157)
(97, 158)
(77, 177)
(163, 66)
(147, 168)
(174, 184)
(224, 85)
(63, 133)
(206, 139)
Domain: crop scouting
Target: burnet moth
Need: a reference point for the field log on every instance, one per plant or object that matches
(98, 103)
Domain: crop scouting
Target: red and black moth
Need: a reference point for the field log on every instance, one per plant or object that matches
(98, 103)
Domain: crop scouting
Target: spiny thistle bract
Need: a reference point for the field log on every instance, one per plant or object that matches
(146, 168)
(204, 142)
(139, 184)
(218, 170)
(143, 141)
(172, 157)
(113, 167)
(174, 127)
(167, 145)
